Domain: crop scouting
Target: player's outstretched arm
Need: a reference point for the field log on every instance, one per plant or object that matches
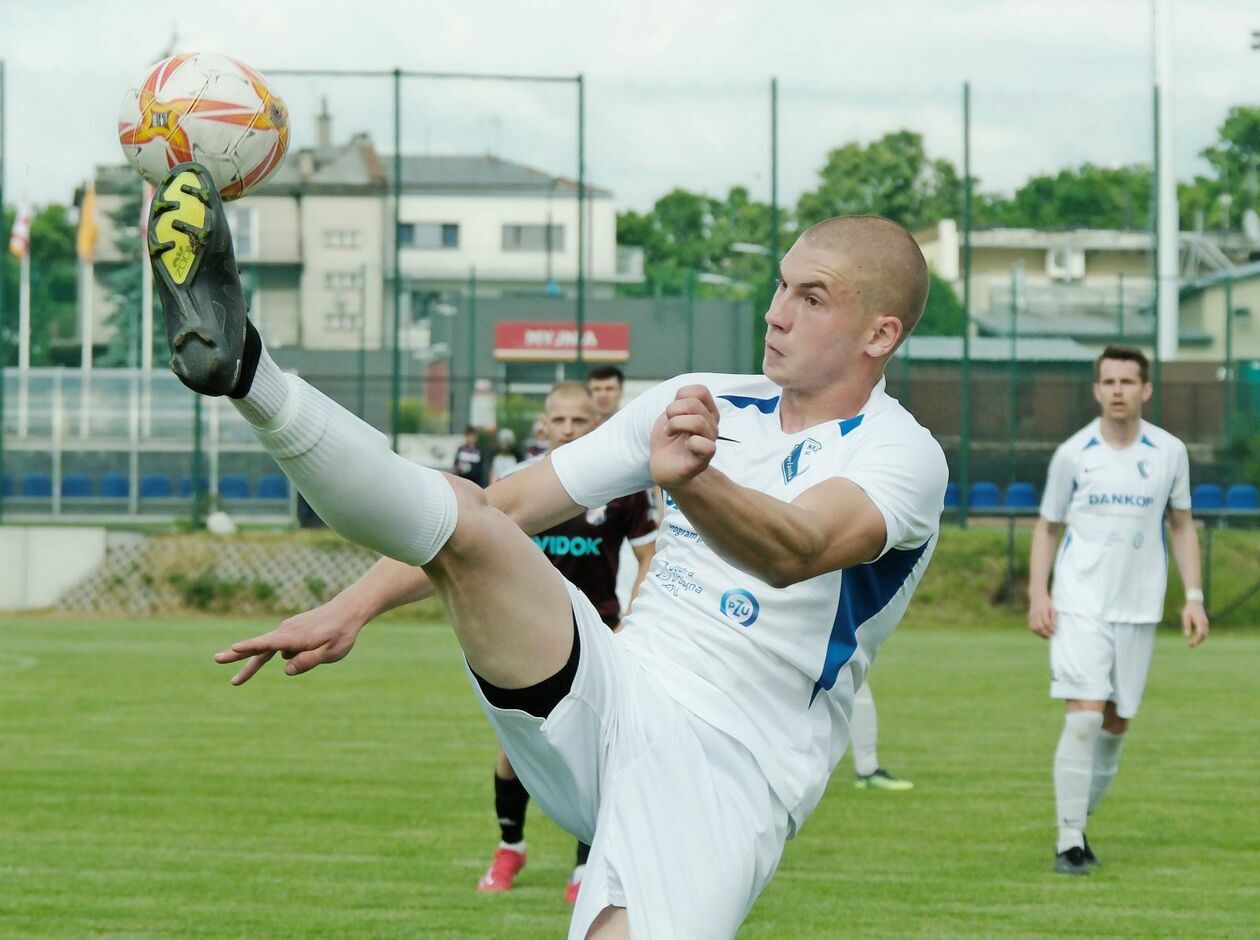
(533, 498)
(1184, 538)
(1040, 609)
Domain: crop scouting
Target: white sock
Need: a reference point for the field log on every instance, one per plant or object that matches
(1106, 761)
(864, 732)
(514, 846)
(1073, 772)
(346, 471)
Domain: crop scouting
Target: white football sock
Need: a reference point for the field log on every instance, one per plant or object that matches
(1106, 761)
(1073, 771)
(864, 732)
(346, 471)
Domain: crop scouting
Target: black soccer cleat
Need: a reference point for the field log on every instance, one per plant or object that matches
(1072, 862)
(194, 267)
(1090, 858)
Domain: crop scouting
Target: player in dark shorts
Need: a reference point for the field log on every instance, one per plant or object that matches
(586, 551)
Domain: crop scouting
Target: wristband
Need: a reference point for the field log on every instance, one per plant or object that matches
(1194, 594)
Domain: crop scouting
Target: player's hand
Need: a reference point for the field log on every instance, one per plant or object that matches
(1041, 615)
(1194, 622)
(684, 438)
(325, 634)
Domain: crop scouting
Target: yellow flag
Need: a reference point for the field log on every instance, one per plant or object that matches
(86, 242)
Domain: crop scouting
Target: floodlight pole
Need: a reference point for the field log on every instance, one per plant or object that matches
(964, 456)
(759, 322)
(581, 226)
(395, 375)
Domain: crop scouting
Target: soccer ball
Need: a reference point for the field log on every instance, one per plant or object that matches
(209, 108)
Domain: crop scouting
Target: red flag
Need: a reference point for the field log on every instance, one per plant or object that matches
(20, 237)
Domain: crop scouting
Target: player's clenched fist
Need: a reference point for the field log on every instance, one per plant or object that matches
(684, 438)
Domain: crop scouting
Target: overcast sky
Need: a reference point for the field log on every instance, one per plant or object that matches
(677, 90)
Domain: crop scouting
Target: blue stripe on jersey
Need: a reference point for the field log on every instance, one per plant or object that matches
(1148, 442)
(850, 424)
(865, 590)
(1093, 442)
(764, 405)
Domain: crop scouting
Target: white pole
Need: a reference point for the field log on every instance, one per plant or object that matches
(1168, 237)
(85, 361)
(24, 342)
(146, 317)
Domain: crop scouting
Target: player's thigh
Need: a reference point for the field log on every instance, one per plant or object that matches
(508, 605)
(1135, 645)
(688, 836)
(1082, 654)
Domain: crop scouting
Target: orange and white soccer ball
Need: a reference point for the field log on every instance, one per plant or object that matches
(209, 108)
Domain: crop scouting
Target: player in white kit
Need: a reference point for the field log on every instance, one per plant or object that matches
(1111, 484)
(804, 507)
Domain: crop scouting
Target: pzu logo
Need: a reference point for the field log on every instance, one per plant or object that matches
(740, 606)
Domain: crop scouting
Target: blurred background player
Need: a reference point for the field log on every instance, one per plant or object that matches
(1111, 483)
(863, 736)
(586, 551)
(505, 455)
(470, 462)
(607, 383)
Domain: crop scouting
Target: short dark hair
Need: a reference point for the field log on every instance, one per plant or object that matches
(1124, 354)
(607, 372)
(471, 430)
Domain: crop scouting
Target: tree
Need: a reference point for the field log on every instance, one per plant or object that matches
(943, 315)
(892, 177)
(54, 286)
(1233, 186)
(122, 345)
(1085, 197)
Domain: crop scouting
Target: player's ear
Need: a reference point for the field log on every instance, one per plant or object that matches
(886, 331)
(1147, 391)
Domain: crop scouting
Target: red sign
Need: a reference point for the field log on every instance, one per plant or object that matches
(557, 342)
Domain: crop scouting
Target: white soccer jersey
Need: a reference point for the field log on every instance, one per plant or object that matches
(1113, 561)
(775, 668)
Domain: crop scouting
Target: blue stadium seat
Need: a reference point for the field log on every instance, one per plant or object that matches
(155, 486)
(1207, 496)
(953, 495)
(36, 485)
(115, 486)
(6, 485)
(185, 486)
(233, 486)
(983, 495)
(1242, 496)
(1021, 496)
(76, 485)
(273, 486)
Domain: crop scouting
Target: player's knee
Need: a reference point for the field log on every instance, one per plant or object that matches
(1114, 724)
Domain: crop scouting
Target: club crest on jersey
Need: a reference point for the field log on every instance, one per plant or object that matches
(1144, 468)
(597, 515)
(740, 606)
(796, 463)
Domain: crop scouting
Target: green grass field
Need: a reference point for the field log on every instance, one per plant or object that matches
(142, 796)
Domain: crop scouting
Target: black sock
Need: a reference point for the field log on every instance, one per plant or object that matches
(583, 853)
(249, 362)
(510, 800)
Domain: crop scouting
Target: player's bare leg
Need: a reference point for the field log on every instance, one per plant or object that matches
(613, 923)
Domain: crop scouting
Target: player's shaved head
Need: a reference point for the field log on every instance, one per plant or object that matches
(881, 263)
(569, 391)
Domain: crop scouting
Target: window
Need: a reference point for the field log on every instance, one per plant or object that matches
(428, 234)
(342, 322)
(342, 280)
(533, 238)
(342, 238)
(242, 223)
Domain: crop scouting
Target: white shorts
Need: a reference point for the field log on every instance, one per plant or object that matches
(684, 830)
(1095, 660)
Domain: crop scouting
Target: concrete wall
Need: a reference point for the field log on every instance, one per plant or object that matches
(39, 563)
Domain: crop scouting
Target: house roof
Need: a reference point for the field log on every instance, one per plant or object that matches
(486, 174)
(1136, 327)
